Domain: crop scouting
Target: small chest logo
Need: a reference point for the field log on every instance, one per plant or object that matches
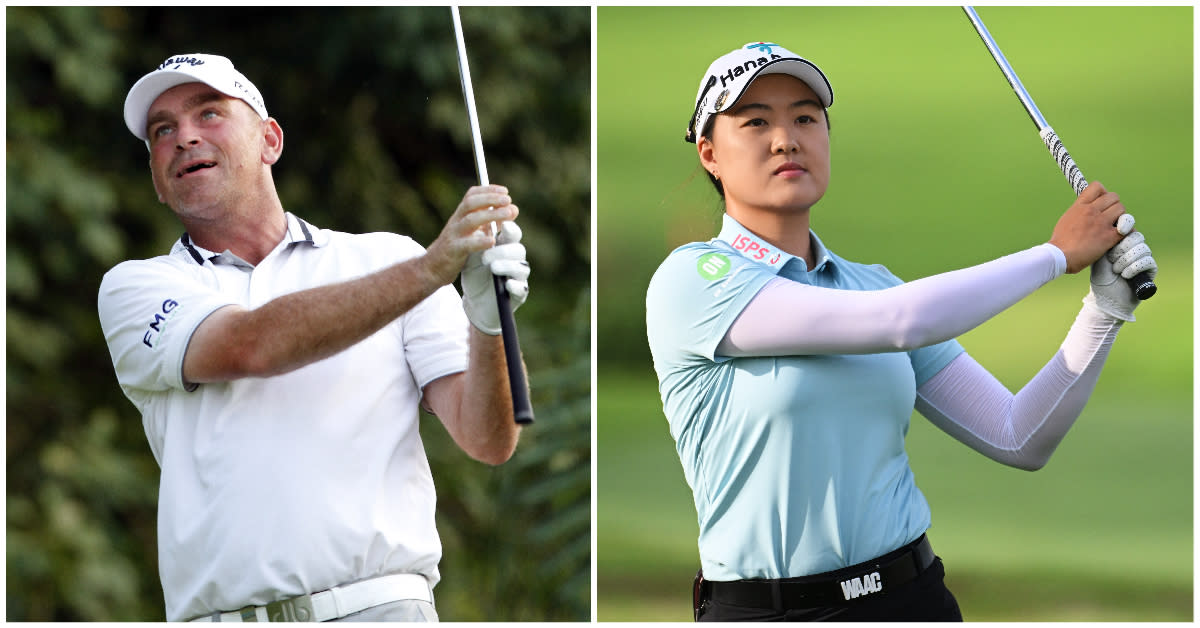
(713, 266)
(858, 587)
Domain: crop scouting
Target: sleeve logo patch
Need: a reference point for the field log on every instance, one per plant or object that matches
(159, 324)
(713, 266)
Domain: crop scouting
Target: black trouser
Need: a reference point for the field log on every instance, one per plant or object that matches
(907, 584)
(924, 599)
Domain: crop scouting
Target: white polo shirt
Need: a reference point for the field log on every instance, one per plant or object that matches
(280, 486)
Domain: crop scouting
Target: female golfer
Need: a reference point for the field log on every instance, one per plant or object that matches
(789, 374)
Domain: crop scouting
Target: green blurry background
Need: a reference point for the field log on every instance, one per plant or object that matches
(377, 139)
(935, 166)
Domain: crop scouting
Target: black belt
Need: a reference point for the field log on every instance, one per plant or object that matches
(834, 588)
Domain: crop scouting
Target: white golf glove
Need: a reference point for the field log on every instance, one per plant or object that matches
(505, 259)
(1110, 293)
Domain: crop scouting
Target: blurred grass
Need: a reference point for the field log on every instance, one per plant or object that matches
(935, 166)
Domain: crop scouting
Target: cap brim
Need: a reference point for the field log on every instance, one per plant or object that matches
(145, 92)
(799, 68)
(796, 66)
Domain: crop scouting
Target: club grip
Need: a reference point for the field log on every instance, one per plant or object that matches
(522, 410)
(1141, 284)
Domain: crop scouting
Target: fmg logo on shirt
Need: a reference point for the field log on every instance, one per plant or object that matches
(713, 266)
(159, 324)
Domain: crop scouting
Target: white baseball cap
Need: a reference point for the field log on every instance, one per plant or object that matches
(213, 70)
(729, 76)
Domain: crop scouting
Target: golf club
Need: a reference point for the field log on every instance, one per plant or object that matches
(522, 410)
(1142, 285)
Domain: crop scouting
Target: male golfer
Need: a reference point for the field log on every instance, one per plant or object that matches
(278, 368)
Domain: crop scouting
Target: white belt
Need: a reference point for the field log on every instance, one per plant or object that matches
(335, 603)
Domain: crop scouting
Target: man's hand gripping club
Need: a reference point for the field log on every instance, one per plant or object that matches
(466, 244)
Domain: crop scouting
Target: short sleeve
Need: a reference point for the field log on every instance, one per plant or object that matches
(435, 336)
(926, 361)
(149, 310)
(436, 331)
(693, 299)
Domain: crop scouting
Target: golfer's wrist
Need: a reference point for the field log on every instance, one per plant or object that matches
(1060, 257)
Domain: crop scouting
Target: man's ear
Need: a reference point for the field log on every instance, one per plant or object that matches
(273, 146)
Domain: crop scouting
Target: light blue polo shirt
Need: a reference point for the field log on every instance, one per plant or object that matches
(796, 463)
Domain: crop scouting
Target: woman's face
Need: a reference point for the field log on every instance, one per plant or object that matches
(771, 149)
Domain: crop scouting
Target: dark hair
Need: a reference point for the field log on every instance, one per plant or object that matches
(708, 134)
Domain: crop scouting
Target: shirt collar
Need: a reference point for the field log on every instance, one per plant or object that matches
(297, 232)
(759, 250)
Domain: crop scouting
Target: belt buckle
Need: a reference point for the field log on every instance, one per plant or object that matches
(295, 609)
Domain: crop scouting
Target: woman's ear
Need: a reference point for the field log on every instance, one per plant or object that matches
(704, 148)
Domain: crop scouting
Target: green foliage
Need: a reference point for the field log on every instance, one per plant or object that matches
(376, 140)
(527, 522)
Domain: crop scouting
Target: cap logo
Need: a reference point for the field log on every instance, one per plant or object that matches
(179, 61)
(721, 98)
(735, 72)
(762, 47)
(249, 94)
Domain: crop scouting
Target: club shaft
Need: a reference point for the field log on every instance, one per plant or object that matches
(1022, 94)
(1142, 285)
(464, 72)
(522, 409)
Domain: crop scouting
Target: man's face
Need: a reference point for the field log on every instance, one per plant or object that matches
(206, 149)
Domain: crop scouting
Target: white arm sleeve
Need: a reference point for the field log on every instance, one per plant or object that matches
(967, 402)
(791, 318)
